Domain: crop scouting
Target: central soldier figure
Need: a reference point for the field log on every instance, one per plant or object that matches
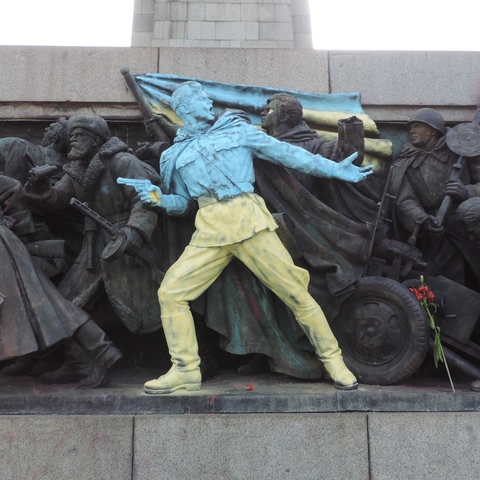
(211, 164)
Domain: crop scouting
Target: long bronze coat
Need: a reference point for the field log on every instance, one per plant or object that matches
(131, 288)
(33, 314)
(418, 180)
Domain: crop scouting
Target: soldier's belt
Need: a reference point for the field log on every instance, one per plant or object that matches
(225, 193)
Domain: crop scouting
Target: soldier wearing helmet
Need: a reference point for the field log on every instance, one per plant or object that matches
(420, 181)
(426, 127)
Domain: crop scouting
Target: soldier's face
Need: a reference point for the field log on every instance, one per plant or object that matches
(422, 135)
(270, 116)
(473, 230)
(49, 136)
(82, 145)
(201, 107)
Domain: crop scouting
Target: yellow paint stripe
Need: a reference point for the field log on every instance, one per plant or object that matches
(316, 118)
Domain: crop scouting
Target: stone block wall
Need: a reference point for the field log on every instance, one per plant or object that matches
(48, 82)
(355, 446)
(222, 24)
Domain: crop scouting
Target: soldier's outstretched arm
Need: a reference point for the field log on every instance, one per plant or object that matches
(292, 156)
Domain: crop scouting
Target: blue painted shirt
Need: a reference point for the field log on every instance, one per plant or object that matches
(214, 167)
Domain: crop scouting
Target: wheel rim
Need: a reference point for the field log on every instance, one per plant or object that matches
(373, 333)
(382, 330)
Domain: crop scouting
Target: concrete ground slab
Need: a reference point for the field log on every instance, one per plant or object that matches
(65, 447)
(272, 446)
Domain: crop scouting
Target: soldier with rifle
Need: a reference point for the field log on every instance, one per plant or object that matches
(106, 266)
(426, 172)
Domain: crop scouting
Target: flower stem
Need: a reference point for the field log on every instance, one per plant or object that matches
(448, 371)
(424, 295)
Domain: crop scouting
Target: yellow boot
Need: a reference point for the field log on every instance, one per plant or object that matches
(174, 380)
(326, 346)
(182, 344)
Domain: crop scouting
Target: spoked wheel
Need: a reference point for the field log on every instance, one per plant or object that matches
(382, 330)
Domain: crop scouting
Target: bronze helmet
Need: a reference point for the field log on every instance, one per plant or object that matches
(430, 117)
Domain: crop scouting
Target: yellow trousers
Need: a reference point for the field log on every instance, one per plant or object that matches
(264, 254)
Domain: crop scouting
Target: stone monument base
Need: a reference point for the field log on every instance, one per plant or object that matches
(264, 427)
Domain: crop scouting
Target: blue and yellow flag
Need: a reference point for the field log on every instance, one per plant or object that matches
(320, 111)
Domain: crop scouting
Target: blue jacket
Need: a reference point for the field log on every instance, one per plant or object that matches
(218, 160)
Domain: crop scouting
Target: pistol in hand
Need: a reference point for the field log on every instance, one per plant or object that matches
(38, 174)
(149, 193)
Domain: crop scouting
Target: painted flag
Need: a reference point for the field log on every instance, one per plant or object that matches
(320, 111)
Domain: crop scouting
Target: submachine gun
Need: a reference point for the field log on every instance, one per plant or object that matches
(402, 257)
(119, 242)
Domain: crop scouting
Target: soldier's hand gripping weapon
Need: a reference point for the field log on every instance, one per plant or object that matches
(119, 242)
(37, 174)
(464, 140)
(149, 193)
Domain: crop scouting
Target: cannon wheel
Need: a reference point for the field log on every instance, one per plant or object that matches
(382, 330)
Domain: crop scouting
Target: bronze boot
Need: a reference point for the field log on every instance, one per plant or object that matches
(103, 354)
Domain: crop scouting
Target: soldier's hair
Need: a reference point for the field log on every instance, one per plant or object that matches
(183, 92)
(60, 127)
(290, 105)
